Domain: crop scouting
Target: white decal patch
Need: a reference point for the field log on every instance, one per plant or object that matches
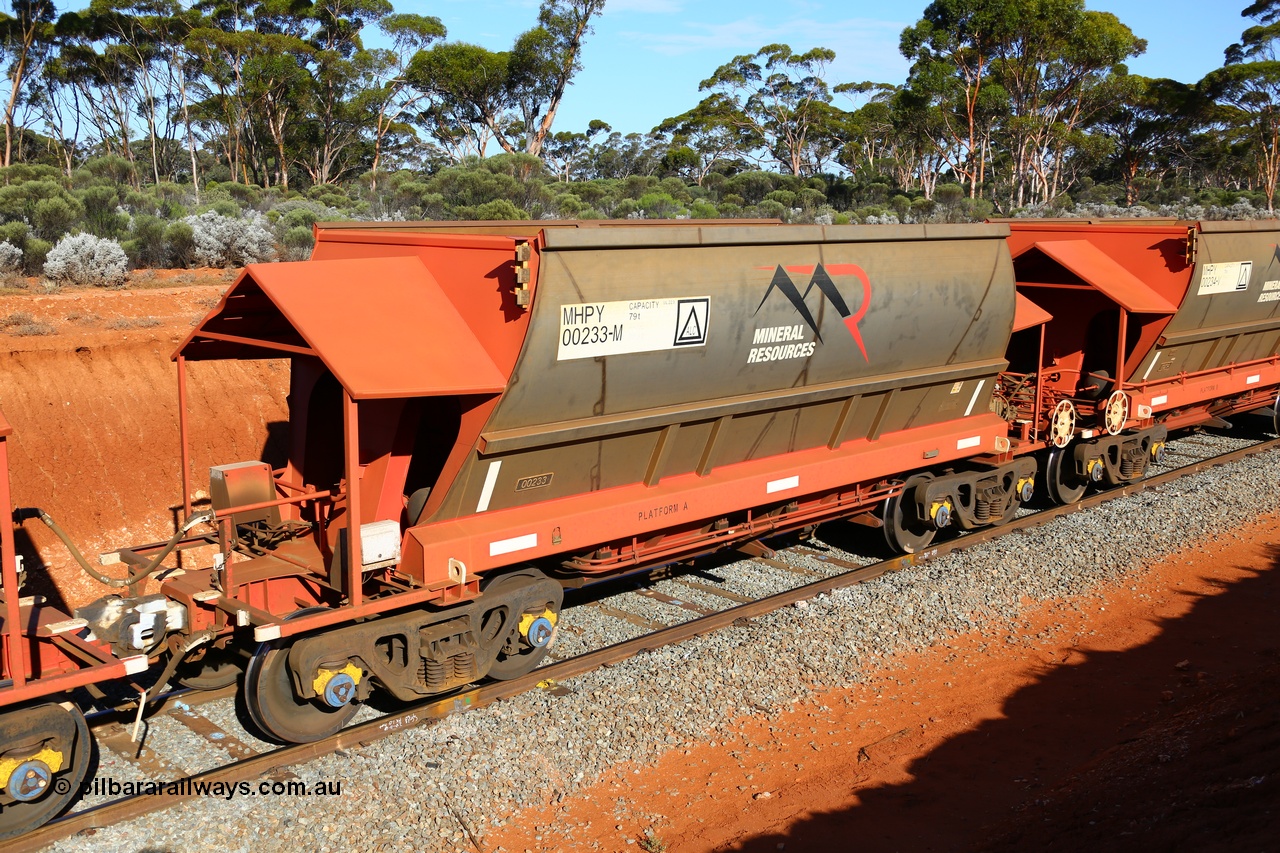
(1086, 433)
(1253, 380)
(779, 335)
(1230, 277)
(590, 330)
(782, 485)
(1154, 359)
(490, 480)
(519, 543)
(974, 398)
(1159, 401)
(966, 443)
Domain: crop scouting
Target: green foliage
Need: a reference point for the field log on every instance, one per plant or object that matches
(55, 216)
(179, 244)
(297, 242)
(146, 245)
(34, 252)
(496, 209)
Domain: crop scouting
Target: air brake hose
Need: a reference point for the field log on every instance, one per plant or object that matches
(23, 513)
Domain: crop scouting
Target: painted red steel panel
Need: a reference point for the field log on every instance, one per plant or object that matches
(395, 334)
(1100, 270)
(1028, 314)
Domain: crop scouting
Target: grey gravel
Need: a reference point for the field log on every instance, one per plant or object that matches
(431, 788)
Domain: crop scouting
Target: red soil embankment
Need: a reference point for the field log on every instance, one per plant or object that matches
(93, 405)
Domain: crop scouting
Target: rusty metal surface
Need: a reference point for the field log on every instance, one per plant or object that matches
(1220, 324)
(394, 334)
(639, 336)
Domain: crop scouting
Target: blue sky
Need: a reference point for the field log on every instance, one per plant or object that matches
(646, 57)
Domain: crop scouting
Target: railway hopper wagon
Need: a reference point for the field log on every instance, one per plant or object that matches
(481, 415)
(1136, 328)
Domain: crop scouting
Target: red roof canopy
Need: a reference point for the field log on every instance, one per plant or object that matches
(1098, 269)
(1027, 314)
(383, 327)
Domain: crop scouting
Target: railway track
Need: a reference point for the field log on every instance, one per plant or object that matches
(252, 760)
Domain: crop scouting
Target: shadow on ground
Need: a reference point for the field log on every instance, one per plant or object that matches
(1121, 751)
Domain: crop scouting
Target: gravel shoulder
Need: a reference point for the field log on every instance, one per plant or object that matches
(1139, 716)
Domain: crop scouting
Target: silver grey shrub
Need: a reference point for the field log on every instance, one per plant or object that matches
(86, 259)
(224, 241)
(10, 258)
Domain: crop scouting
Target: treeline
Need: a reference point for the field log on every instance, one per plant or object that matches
(165, 127)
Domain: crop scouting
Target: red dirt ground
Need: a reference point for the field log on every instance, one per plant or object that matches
(1144, 717)
(94, 411)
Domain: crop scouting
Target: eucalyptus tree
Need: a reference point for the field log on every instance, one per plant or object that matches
(107, 79)
(1060, 67)
(544, 61)
(778, 96)
(387, 93)
(468, 87)
(340, 69)
(713, 135)
(566, 152)
(255, 83)
(509, 96)
(26, 37)
(867, 132)
(1149, 121)
(1248, 90)
(952, 49)
(145, 37)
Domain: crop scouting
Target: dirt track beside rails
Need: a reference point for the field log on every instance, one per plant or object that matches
(94, 410)
(1142, 717)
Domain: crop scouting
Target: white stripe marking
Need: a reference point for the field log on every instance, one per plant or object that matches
(490, 480)
(966, 443)
(1159, 401)
(519, 543)
(266, 633)
(974, 398)
(134, 665)
(1254, 379)
(1151, 366)
(782, 485)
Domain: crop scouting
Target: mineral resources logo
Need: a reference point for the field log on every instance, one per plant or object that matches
(765, 344)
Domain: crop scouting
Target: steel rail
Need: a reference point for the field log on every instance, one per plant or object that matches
(116, 811)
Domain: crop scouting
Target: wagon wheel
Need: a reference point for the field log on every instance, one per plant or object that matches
(1062, 424)
(531, 632)
(275, 706)
(53, 751)
(1061, 482)
(904, 531)
(1117, 412)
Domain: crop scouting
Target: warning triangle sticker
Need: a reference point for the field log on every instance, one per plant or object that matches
(691, 331)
